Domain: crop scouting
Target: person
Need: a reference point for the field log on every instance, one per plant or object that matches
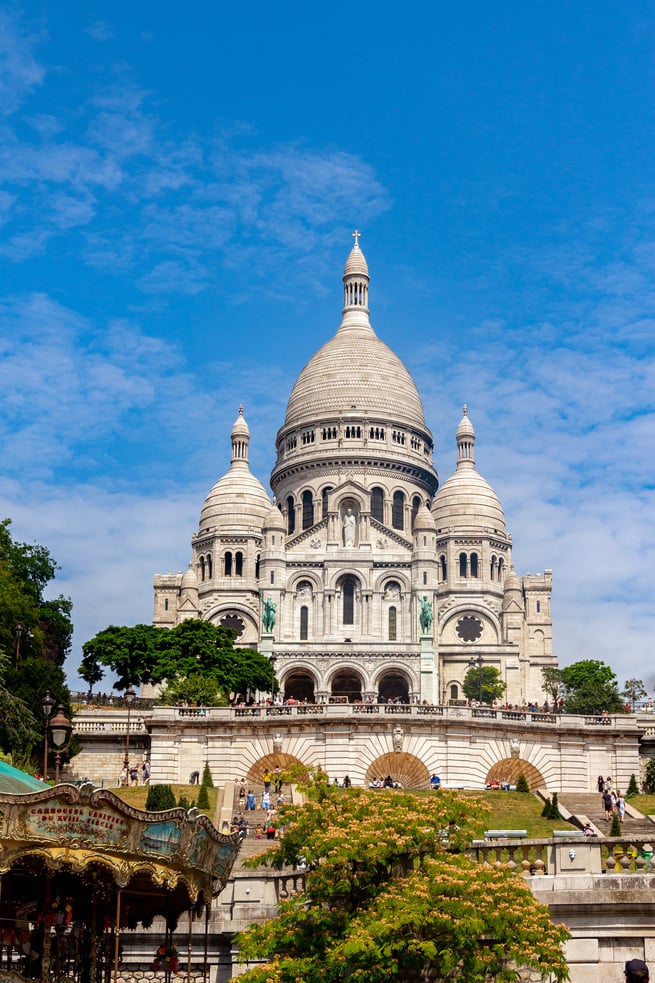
(620, 805)
(266, 801)
(346, 782)
(122, 778)
(435, 782)
(588, 830)
(250, 801)
(601, 784)
(277, 776)
(608, 805)
(134, 775)
(194, 778)
(636, 971)
(349, 525)
(145, 773)
(242, 797)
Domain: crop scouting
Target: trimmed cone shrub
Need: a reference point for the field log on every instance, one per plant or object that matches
(615, 828)
(160, 797)
(203, 798)
(633, 788)
(545, 812)
(207, 779)
(554, 808)
(522, 784)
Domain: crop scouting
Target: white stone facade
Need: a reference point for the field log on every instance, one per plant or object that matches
(384, 584)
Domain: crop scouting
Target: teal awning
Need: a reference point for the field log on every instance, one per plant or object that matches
(16, 782)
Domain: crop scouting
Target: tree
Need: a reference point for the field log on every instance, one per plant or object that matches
(551, 683)
(589, 687)
(197, 659)
(35, 637)
(633, 787)
(483, 683)
(388, 897)
(160, 798)
(649, 777)
(634, 690)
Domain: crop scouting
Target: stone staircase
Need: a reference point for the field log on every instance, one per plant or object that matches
(589, 805)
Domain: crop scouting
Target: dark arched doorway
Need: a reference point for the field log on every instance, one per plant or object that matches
(347, 684)
(299, 685)
(393, 686)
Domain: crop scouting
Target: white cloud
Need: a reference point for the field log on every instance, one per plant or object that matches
(20, 72)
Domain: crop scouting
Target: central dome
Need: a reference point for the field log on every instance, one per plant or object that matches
(355, 371)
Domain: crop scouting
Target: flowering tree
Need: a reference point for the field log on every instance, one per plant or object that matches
(389, 894)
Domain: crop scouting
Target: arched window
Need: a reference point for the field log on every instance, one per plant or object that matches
(462, 564)
(377, 504)
(208, 562)
(393, 622)
(324, 502)
(416, 504)
(348, 602)
(257, 564)
(501, 569)
(238, 564)
(291, 516)
(454, 692)
(307, 510)
(444, 568)
(492, 571)
(227, 564)
(398, 511)
(304, 623)
(202, 568)
(474, 564)
(425, 579)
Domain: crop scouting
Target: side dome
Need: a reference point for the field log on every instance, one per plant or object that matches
(355, 370)
(466, 500)
(238, 500)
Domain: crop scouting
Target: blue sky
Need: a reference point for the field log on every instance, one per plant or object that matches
(178, 188)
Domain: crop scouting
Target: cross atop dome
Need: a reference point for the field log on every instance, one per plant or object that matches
(357, 236)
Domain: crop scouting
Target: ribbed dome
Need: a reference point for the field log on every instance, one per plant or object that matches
(238, 501)
(355, 371)
(424, 521)
(189, 580)
(466, 500)
(275, 519)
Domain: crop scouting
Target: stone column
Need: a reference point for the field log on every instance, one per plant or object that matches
(429, 671)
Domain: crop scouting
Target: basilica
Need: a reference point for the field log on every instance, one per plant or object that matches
(363, 578)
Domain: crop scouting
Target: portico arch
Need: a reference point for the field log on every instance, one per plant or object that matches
(406, 769)
(255, 776)
(347, 683)
(509, 769)
(393, 684)
(300, 684)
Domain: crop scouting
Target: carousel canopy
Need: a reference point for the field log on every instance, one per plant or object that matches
(17, 782)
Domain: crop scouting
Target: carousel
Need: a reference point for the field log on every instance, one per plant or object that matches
(79, 868)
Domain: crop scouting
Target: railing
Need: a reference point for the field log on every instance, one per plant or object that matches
(90, 721)
(606, 855)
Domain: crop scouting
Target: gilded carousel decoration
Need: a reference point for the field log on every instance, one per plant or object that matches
(78, 866)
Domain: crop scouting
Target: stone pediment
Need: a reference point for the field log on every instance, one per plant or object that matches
(316, 533)
(379, 532)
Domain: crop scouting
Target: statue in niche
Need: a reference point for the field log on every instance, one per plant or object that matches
(349, 528)
(268, 616)
(304, 593)
(392, 592)
(425, 616)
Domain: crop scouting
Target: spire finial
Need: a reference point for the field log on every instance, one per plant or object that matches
(356, 236)
(241, 409)
(465, 410)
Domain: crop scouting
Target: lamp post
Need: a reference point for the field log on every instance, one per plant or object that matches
(273, 661)
(476, 662)
(18, 632)
(129, 699)
(47, 703)
(61, 731)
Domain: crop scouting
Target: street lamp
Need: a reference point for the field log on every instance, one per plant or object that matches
(19, 632)
(61, 731)
(273, 661)
(476, 662)
(129, 699)
(47, 703)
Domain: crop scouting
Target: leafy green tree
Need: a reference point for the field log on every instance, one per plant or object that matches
(183, 657)
(483, 683)
(551, 683)
(35, 637)
(130, 653)
(634, 690)
(650, 776)
(522, 784)
(589, 687)
(386, 897)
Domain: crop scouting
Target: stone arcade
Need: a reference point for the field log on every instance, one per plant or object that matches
(363, 578)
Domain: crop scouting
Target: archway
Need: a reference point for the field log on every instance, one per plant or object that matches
(406, 769)
(255, 776)
(348, 684)
(300, 685)
(509, 769)
(393, 686)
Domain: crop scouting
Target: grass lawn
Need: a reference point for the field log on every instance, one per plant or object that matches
(645, 804)
(136, 796)
(516, 810)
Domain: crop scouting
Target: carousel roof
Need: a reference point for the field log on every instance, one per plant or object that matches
(16, 781)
